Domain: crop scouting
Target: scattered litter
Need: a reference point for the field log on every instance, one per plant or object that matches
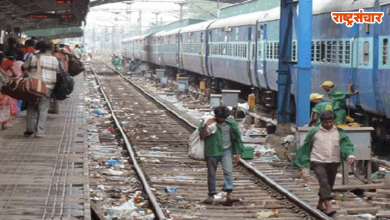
(121, 211)
(267, 214)
(269, 159)
(125, 122)
(97, 111)
(170, 189)
(112, 162)
(366, 216)
(115, 172)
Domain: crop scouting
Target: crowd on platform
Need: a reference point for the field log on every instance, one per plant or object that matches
(40, 59)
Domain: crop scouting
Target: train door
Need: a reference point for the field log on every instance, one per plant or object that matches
(261, 68)
(366, 77)
(249, 57)
(202, 53)
(159, 39)
(208, 56)
(179, 42)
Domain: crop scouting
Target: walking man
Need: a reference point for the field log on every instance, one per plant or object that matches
(45, 67)
(324, 148)
(225, 147)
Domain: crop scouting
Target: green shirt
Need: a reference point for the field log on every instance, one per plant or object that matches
(321, 107)
(302, 158)
(214, 143)
(338, 98)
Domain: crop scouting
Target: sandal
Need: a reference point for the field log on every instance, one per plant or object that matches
(229, 202)
(330, 214)
(208, 201)
(6, 126)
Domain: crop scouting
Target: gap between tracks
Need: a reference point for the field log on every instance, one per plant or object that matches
(159, 213)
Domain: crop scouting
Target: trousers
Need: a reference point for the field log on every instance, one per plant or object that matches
(326, 175)
(37, 114)
(227, 167)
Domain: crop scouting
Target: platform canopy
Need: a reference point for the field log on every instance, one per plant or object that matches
(56, 32)
(102, 2)
(35, 14)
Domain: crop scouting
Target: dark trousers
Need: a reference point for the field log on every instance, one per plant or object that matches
(326, 175)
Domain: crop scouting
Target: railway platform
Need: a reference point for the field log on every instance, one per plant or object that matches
(47, 178)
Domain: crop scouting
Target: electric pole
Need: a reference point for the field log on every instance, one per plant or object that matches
(156, 13)
(140, 23)
(181, 4)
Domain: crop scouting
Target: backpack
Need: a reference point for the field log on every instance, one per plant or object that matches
(75, 65)
(64, 85)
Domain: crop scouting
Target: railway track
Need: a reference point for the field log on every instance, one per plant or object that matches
(156, 138)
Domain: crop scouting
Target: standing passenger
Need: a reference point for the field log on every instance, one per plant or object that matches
(13, 49)
(44, 66)
(77, 52)
(324, 148)
(117, 63)
(220, 148)
(338, 98)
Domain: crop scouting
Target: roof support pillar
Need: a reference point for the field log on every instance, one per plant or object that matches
(304, 31)
(284, 70)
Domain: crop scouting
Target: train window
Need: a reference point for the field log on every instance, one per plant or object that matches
(341, 51)
(318, 51)
(334, 51)
(328, 51)
(323, 51)
(312, 51)
(271, 55)
(385, 52)
(367, 28)
(347, 52)
(245, 51)
(366, 53)
(259, 50)
(276, 51)
(294, 51)
(268, 50)
(253, 51)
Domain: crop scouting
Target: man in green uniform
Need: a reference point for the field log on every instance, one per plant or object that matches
(117, 63)
(325, 146)
(338, 97)
(225, 147)
(318, 108)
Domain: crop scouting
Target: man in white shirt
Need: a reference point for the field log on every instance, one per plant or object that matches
(324, 148)
(45, 67)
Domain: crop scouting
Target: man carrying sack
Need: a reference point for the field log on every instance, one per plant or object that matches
(225, 147)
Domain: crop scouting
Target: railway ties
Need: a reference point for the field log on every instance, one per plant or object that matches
(178, 183)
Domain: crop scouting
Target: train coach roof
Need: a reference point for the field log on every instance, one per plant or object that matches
(170, 32)
(326, 6)
(247, 19)
(197, 27)
(384, 2)
(319, 7)
(136, 37)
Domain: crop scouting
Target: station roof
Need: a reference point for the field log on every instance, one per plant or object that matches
(101, 2)
(35, 14)
(68, 32)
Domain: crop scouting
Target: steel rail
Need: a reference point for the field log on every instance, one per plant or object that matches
(155, 205)
(280, 189)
